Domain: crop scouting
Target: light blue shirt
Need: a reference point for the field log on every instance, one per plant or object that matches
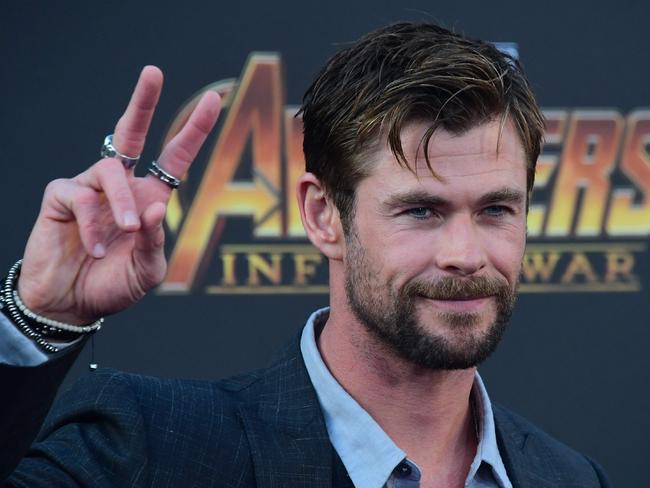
(15, 348)
(369, 455)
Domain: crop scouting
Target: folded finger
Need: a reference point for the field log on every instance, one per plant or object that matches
(131, 130)
(108, 176)
(179, 153)
(149, 252)
(82, 204)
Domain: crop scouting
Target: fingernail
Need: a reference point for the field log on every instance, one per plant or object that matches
(99, 251)
(130, 219)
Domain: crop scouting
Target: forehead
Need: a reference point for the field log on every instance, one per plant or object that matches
(491, 148)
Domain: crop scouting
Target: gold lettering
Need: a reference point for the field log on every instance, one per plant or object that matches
(587, 160)
(537, 265)
(229, 278)
(620, 264)
(579, 266)
(546, 164)
(626, 217)
(258, 265)
(256, 110)
(295, 168)
(305, 267)
(224, 88)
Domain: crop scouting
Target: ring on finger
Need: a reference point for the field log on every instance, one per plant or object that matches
(170, 180)
(109, 151)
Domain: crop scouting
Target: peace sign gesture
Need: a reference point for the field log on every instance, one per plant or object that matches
(97, 245)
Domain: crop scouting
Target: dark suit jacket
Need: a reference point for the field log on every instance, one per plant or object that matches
(262, 429)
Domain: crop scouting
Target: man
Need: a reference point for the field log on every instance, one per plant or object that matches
(421, 148)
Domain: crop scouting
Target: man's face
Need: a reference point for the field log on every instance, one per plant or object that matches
(432, 263)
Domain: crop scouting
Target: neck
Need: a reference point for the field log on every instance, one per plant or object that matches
(425, 412)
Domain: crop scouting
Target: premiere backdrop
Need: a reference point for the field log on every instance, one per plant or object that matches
(242, 276)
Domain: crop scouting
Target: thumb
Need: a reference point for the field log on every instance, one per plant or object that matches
(149, 249)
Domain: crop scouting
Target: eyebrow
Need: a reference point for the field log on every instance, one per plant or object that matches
(425, 199)
(504, 195)
(415, 198)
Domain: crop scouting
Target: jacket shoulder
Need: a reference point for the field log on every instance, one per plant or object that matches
(532, 453)
(114, 428)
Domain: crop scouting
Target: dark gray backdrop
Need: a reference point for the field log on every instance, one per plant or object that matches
(576, 364)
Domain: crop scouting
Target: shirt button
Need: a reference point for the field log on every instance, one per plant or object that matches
(402, 470)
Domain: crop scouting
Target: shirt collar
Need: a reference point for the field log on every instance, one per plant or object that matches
(487, 450)
(367, 452)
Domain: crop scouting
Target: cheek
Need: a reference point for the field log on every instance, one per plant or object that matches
(392, 254)
(406, 259)
(506, 255)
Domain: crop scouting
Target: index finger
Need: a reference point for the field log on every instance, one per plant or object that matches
(131, 130)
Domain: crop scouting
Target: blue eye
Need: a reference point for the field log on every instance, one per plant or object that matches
(420, 212)
(497, 210)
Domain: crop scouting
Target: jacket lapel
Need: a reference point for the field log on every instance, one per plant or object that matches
(285, 427)
(523, 455)
(290, 445)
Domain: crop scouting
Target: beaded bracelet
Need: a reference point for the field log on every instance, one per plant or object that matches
(55, 325)
(31, 324)
(15, 315)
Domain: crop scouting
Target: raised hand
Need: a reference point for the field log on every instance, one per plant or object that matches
(97, 245)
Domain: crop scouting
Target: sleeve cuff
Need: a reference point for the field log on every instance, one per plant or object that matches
(18, 350)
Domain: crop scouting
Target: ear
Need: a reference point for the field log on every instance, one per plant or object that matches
(320, 217)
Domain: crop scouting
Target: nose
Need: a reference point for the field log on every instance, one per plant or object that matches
(461, 251)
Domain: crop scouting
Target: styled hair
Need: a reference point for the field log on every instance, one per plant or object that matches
(400, 73)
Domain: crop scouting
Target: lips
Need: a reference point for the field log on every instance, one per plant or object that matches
(457, 297)
(460, 304)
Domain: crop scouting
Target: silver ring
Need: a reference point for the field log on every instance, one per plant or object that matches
(109, 151)
(171, 181)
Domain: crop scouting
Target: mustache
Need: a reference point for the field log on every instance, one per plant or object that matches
(452, 288)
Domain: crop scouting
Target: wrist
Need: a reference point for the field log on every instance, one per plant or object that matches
(42, 330)
(31, 293)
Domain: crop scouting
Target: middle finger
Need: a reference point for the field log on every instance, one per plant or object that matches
(179, 153)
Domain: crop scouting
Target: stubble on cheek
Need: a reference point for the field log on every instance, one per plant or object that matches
(431, 337)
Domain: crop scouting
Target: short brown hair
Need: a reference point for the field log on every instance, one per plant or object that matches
(403, 72)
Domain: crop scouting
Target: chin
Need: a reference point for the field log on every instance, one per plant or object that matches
(450, 341)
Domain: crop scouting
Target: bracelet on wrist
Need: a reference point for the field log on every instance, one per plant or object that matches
(35, 326)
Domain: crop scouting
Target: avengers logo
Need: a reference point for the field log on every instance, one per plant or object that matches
(236, 226)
